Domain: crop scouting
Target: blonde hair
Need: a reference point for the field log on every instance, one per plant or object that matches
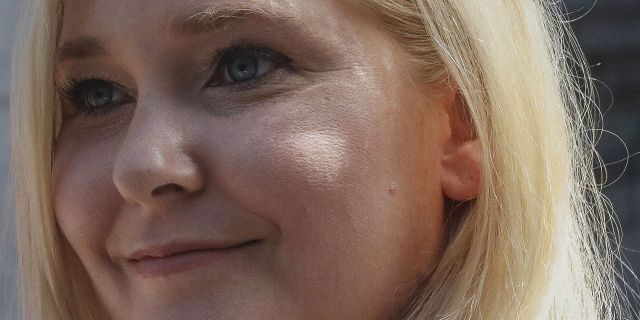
(533, 245)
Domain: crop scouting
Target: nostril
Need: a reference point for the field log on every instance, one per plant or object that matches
(171, 187)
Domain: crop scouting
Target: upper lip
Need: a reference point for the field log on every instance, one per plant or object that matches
(178, 247)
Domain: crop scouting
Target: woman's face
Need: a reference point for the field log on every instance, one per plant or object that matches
(260, 160)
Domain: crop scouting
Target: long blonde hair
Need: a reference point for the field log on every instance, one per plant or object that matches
(533, 245)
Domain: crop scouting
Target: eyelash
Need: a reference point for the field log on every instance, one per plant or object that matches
(73, 90)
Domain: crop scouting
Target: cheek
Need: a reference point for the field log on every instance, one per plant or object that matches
(85, 198)
(354, 189)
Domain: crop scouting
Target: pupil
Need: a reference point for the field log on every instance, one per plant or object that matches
(99, 96)
(243, 69)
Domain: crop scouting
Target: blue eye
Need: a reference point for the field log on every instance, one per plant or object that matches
(243, 69)
(246, 64)
(93, 95)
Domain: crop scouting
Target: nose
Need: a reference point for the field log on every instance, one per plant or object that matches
(154, 165)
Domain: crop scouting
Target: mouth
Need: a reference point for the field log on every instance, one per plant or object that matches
(176, 258)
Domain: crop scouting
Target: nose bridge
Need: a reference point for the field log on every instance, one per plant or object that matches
(154, 162)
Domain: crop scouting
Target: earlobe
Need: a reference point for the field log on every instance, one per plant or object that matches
(461, 176)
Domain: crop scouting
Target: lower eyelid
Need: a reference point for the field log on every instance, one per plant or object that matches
(264, 80)
(274, 84)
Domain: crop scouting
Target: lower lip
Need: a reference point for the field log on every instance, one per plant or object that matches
(162, 267)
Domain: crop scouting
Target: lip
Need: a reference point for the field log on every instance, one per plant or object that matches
(162, 261)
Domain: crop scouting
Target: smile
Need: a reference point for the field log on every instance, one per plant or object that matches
(165, 261)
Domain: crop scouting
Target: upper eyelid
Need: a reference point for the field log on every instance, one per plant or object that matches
(79, 81)
(244, 46)
(65, 81)
(249, 48)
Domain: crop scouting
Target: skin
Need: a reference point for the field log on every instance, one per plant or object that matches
(339, 165)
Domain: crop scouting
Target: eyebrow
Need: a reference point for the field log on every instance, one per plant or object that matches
(206, 20)
(215, 18)
(81, 48)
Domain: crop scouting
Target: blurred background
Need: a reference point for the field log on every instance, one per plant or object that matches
(609, 32)
(8, 259)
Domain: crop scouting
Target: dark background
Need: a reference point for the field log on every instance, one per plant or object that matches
(609, 32)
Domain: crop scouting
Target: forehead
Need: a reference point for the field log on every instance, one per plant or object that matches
(138, 27)
(164, 16)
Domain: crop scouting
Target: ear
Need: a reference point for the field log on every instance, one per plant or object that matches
(461, 174)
